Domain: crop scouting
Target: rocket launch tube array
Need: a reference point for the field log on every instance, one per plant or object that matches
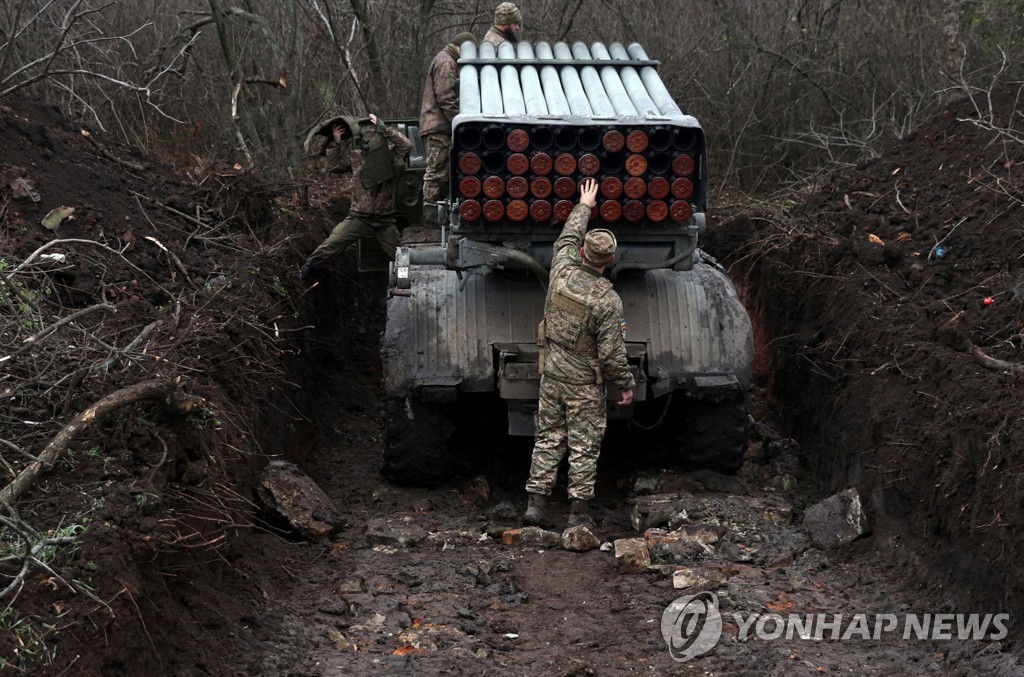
(575, 118)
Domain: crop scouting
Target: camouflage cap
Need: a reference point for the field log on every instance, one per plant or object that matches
(599, 246)
(463, 37)
(506, 13)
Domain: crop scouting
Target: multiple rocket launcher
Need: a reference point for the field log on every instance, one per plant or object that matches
(537, 120)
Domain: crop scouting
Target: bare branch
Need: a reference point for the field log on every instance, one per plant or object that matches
(156, 388)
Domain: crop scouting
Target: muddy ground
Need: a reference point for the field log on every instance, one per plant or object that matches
(864, 361)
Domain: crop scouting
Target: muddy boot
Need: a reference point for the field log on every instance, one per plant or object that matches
(580, 514)
(307, 272)
(535, 511)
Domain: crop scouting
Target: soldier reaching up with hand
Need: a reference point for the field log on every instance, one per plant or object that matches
(583, 344)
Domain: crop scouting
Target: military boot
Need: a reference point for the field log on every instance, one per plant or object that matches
(535, 511)
(307, 272)
(580, 514)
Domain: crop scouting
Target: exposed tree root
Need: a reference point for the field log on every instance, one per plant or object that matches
(989, 362)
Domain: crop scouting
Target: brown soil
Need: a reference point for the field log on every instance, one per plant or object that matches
(865, 369)
(870, 326)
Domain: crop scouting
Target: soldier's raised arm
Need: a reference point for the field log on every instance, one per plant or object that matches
(567, 246)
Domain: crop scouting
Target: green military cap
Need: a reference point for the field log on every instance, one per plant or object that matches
(599, 246)
(463, 37)
(506, 13)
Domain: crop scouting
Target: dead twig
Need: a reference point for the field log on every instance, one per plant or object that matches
(156, 388)
(31, 341)
(989, 362)
(172, 256)
(134, 166)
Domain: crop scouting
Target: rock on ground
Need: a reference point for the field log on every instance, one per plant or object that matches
(288, 491)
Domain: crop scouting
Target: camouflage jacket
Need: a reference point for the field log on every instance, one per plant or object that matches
(584, 329)
(495, 36)
(440, 95)
(380, 199)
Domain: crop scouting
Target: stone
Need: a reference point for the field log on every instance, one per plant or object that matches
(580, 539)
(697, 533)
(477, 491)
(291, 493)
(783, 482)
(657, 509)
(698, 577)
(645, 486)
(632, 556)
(504, 512)
(837, 520)
(352, 586)
(736, 552)
(385, 533)
(673, 551)
(532, 536)
(481, 571)
(679, 508)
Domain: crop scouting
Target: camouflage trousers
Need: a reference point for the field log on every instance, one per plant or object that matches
(435, 179)
(569, 416)
(357, 226)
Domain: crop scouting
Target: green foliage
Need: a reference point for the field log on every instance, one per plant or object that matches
(31, 642)
(205, 419)
(49, 553)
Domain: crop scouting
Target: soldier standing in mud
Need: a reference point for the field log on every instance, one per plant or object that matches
(440, 105)
(507, 20)
(583, 344)
(368, 149)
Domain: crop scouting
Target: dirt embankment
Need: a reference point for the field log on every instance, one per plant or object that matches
(187, 280)
(873, 297)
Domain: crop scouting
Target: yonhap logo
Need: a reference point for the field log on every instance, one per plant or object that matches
(691, 626)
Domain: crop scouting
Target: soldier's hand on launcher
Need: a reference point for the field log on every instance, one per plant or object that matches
(588, 192)
(627, 398)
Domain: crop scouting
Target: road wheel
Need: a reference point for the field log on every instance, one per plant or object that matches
(715, 434)
(416, 444)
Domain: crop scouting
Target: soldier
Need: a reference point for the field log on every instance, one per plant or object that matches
(368, 149)
(583, 345)
(507, 20)
(440, 106)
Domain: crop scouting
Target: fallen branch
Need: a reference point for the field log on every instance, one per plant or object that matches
(156, 388)
(172, 256)
(989, 362)
(134, 166)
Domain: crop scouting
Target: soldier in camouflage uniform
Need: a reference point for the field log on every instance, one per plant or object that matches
(583, 345)
(507, 20)
(368, 149)
(440, 105)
